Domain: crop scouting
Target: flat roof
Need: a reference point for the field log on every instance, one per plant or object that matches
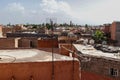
(91, 51)
(29, 55)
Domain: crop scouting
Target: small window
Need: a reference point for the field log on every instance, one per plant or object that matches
(113, 72)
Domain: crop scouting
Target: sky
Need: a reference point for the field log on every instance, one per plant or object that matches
(92, 12)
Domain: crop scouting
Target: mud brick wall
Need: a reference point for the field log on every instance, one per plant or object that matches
(63, 70)
(8, 43)
(28, 43)
(48, 43)
(101, 66)
(25, 43)
(63, 51)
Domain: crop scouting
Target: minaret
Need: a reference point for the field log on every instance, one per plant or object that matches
(71, 24)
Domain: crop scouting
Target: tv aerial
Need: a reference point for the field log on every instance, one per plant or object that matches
(82, 58)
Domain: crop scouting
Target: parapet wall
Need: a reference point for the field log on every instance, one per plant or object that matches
(28, 43)
(48, 43)
(63, 70)
(8, 43)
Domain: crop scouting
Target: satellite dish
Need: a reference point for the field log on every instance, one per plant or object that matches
(92, 42)
(85, 42)
(104, 43)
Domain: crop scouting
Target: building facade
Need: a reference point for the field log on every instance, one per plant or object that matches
(1, 31)
(33, 64)
(96, 64)
(115, 32)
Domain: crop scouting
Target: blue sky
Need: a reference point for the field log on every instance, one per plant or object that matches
(93, 12)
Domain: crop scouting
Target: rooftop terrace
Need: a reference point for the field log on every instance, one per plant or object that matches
(29, 55)
(89, 50)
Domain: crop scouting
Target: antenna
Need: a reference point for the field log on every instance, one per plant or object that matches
(53, 19)
(83, 59)
(51, 22)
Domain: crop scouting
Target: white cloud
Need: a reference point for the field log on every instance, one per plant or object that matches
(80, 11)
(33, 11)
(64, 6)
(54, 6)
(50, 6)
(16, 7)
(61, 8)
(101, 12)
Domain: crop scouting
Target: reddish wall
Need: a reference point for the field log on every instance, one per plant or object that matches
(28, 43)
(0, 28)
(39, 71)
(113, 31)
(85, 75)
(6, 30)
(25, 43)
(1, 33)
(17, 28)
(107, 29)
(7, 43)
(48, 43)
(63, 51)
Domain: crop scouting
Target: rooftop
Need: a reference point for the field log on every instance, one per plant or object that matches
(89, 50)
(30, 55)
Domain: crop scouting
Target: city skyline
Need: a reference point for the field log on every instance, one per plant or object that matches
(93, 12)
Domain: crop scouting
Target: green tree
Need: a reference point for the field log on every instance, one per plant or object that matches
(99, 36)
(34, 26)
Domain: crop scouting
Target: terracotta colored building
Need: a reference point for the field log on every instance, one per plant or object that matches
(1, 30)
(9, 42)
(18, 42)
(11, 29)
(97, 65)
(32, 64)
(107, 28)
(6, 30)
(115, 32)
(28, 42)
(47, 43)
(63, 51)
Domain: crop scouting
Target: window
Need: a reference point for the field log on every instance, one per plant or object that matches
(113, 72)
